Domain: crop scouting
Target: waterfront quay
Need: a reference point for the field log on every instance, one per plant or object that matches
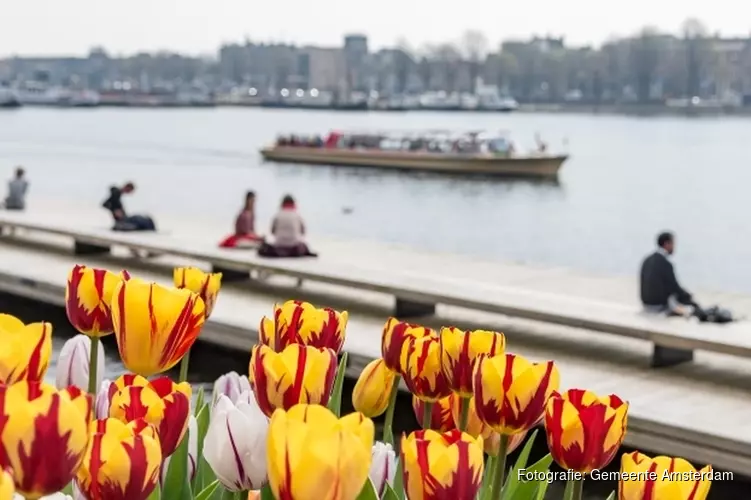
(696, 409)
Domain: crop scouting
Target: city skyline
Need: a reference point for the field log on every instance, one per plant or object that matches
(49, 27)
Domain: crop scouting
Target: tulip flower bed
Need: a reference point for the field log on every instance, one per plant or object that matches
(278, 433)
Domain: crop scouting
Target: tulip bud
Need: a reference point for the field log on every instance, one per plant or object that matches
(395, 334)
(88, 298)
(584, 431)
(448, 465)
(73, 363)
(298, 374)
(338, 451)
(103, 400)
(383, 467)
(298, 322)
(155, 326)
(192, 451)
(373, 389)
(254, 495)
(511, 393)
(26, 350)
(231, 385)
(422, 370)
(441, 416)
(235, 444)
(205, 285)
(644, 478)
(461, 350)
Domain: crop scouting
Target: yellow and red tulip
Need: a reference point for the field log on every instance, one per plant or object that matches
(373, 388)
(121, 462)
(584, 430)
(205, 285)
(298, 322)
(511, 393)
(475, 427)
(44, 435)
(313, 455)
(395, 334)
(421, 368)
(460, 351)
(441, 466)
(88, 299)
(7, 488)
(26, 349)
(298, 374)
(441, 416)
(644, 478)
(160, 402)
(155, 326)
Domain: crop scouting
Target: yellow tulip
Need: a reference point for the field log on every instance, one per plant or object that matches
(44, 434)
(298, 374)
(373, 388)
(298, 322)
(441, 417)
(584, 431)
(511, 393)
(440, 466)
(7, 488)
(313, 455)
(122, 461)
(395, 334)
(154, 326)
(662, 478)
(160, 402)
(25, 350)
(88, 299)
(205, 285)
(421, 368)
(460, 351)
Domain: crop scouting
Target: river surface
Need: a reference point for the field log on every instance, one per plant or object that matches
(627, 179)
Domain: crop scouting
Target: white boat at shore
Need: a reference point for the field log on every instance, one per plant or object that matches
(8, 98)
(35, 94)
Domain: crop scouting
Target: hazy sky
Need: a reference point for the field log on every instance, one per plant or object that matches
(35, 27)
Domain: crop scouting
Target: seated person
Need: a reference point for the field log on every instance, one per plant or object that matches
(288, 230)
(660, 291)
(17, 188)
(123, 221)
(245, 235)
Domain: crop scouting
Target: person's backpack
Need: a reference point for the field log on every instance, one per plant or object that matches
(715, 314)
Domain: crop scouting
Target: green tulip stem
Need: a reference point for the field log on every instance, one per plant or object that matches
(93, 365)
(184, 367)
(577, 489)
(464, 414)
(427, 414)
(500, 468)
(388, 433)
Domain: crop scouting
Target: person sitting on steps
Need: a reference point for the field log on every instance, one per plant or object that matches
(660, 291)
(244, 235)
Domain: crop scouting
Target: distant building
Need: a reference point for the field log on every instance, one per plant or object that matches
(322, 68)
(356, 60)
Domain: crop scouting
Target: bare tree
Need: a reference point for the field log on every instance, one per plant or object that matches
(474, 48)
(694, 34)
(449, 60)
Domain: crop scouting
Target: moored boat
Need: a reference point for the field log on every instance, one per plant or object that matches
(468, 153)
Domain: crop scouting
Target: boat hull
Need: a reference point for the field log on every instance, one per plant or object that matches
(546, 167)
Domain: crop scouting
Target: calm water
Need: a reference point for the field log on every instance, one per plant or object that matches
(208, 362)
(627, 179)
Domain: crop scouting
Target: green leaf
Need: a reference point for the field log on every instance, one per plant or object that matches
(399, 480)
(68, 490)
(512, 479)
(335, 400)
(266, 493)
(156, 494)
(177, 482)
(612, 496)
(389, 494)
(526, 489)
(202, 479)
(233, 495)
(487, 481)
(542, 488)
(368, 491)
(208, 491)
(199, 401)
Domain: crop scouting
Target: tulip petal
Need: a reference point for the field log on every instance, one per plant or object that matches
(88, 298)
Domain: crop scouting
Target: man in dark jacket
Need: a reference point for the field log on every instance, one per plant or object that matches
(660, 291)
